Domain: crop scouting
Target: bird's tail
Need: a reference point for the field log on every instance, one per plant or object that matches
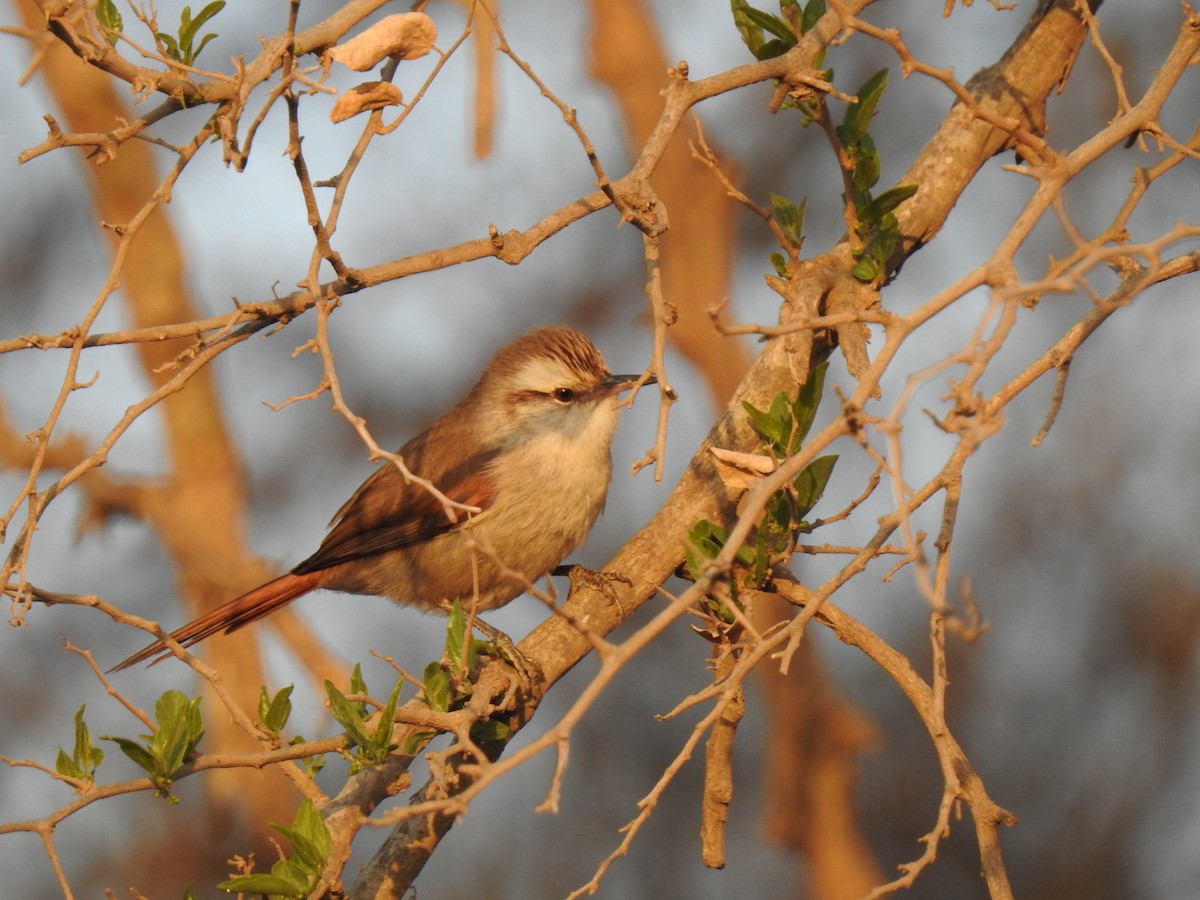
(262, 601)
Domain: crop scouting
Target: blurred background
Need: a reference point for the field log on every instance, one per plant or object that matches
(1079, 705)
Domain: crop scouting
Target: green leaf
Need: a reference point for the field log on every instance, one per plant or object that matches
(810, 484)
(859, 114)
(170, 44)
(85, 758)
(771, 49)
(261, 883)
(752, 35)
(865, 270)
(491, 730)
(886, 202)
(136, 752)
(867, 168)
(437, 687)
(310, 823)
(110, 20)
(274, 712)
(179, 729)
(64, 765)
(790, 217)
(458, 649)
(381, 744)
(771, 24)
(780, 264)
(705, 541)
(308, 836)
(349, 715)
(206, 13)
(312, 764)
(203, 43)
(415, 741)
(804, 410)
(186, 49)
(812, 12)
(358, 684)
(86, 754)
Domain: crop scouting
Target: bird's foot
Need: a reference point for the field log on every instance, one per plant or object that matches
(604, 582)
(528, 671)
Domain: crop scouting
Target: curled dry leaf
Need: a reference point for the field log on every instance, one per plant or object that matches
(402, 36)
(739, 471)
(369, 95)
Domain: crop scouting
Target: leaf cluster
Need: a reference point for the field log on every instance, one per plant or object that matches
(447, 682)
(371, 746)
(85, 758)
(790, 217)
(274, 713)
(175, 740)
(877, 224)
(782, 427)
(182, 46)
(294, 877)
(767, 35)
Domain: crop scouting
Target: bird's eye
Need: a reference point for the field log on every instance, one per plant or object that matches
(563, 395)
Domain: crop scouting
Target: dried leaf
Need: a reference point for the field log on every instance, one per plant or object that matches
(368, 96)
(739, 471)
(402, 36)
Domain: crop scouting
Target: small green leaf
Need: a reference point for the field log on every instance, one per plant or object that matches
(790, 217)
(274, 712)
(310, 823)
(751, 35)
(312, 764)
(308, 836)
(491, 730)
(136, 752)
(64, 765)
(261, 883)
(179, 730)
(358, 684)
(886, 203)
(415, 741)
(812, 13)
(169, 44)
(810, 484)
(381, 744)
(110, 20)
(456, 640)
(86, 754)
(865, 270)
(867, 168)
(207, 13)
(804, 410)
(437, 687)
(349, 715)
(859, 114)
(85, 758)
(771, 24)
(780, 264)
(772, 49)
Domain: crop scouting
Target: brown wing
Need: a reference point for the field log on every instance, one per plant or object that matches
(386, 513)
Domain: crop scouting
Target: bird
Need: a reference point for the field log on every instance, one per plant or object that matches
(529, 447)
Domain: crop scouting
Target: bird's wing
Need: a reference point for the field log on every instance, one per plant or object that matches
(387, 513)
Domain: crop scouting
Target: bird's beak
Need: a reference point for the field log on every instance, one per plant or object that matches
(616, 384)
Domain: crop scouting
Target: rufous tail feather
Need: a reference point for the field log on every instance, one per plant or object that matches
(262, 601)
